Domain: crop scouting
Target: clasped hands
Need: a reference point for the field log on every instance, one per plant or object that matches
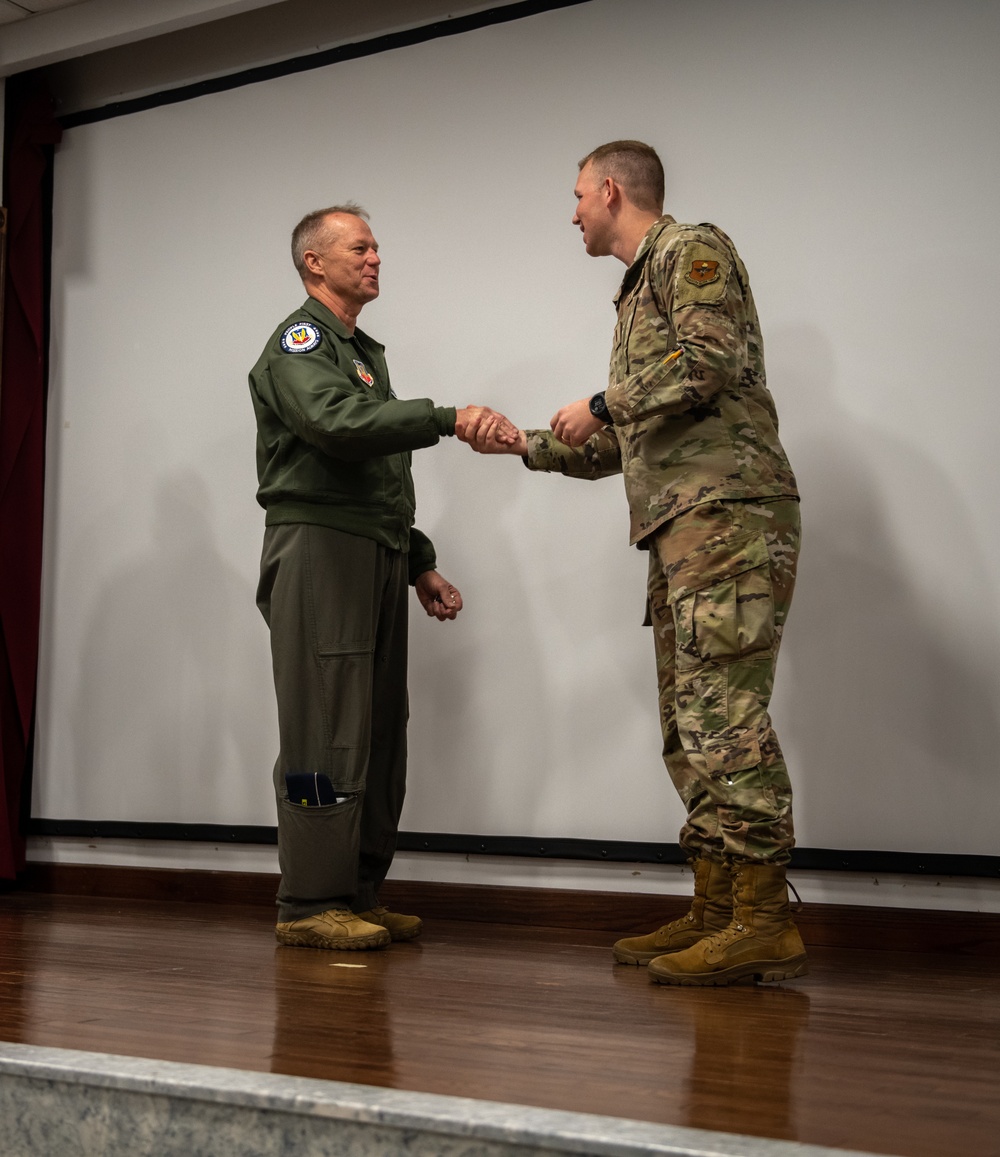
(488, 432)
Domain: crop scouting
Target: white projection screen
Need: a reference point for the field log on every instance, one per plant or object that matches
(849, 148)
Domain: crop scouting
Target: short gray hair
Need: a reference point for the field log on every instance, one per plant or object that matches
(312, 231)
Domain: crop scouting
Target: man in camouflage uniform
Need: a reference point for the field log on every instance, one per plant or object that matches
(688, 420)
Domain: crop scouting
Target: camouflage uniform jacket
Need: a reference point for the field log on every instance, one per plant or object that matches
(693, 418)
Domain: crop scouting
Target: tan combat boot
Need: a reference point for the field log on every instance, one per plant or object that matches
(761, 942)
(711, 911)
(335, 928)
(399, 927)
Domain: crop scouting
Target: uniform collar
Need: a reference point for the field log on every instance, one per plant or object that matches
(325, 316)
(632, 273)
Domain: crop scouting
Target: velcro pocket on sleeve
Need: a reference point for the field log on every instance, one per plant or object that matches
(702, 275)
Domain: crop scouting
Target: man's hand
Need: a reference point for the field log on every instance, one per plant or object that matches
(437, 596)
(467, 415)
(574, 423)
(490, 433)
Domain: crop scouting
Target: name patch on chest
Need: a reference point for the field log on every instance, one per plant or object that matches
(363, 374)
(300, 338)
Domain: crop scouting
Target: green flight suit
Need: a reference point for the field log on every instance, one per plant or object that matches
(333, 463)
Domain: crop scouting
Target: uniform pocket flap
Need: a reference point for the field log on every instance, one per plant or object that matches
(724, 752)
(335, 650)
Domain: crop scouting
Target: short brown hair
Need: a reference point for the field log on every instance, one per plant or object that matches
(311, 231)
(635, 166)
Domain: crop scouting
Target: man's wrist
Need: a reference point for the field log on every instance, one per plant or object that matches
(599, 408)
(445, 418)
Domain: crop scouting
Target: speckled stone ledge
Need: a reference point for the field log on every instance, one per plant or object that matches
(55, 1102)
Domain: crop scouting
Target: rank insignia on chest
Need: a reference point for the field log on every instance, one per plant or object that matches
(703, 272)
(363, 374)
(300, 338)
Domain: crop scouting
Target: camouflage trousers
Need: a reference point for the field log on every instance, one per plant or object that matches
(721, 577)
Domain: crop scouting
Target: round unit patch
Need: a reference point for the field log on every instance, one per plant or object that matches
(300, 338)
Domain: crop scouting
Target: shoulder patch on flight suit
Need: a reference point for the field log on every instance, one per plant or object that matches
(702, 274)
(300, 338)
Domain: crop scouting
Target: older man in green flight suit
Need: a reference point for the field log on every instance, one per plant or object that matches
(334, 444)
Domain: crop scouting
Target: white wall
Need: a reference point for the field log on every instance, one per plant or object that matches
(850, 150)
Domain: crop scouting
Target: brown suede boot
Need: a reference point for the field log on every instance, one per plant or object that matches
(761, 942)
(398, 926)
(711, 911)
(336, 928)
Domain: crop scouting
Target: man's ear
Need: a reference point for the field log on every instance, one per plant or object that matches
(312, 261)
(612, 193)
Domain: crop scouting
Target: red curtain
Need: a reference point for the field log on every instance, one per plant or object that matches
(31, 134)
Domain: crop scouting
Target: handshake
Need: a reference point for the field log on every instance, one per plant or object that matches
(488, 432)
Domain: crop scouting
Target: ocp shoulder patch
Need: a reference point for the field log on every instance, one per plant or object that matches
(703, 272)
(700, 275)
(300, 338)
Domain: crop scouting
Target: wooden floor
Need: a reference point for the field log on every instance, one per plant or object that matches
(882, 1051)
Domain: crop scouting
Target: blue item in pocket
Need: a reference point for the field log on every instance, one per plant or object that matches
(310, 789)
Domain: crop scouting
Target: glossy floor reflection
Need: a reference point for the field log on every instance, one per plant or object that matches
(878, 1051)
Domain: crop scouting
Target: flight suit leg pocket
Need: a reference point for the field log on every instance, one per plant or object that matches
(318, 849)
(346, 673)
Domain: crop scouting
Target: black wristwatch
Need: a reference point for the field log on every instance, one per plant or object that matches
(599, 408)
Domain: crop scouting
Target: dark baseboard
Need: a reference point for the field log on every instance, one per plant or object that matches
(118, 883)
(851, 926)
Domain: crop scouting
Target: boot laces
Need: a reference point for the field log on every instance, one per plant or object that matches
(676, 925)
(798, 898)
(730, 932)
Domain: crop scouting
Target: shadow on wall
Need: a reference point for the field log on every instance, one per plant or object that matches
(535, 714)
(171, 662)
(468, 682)
(892, 712)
